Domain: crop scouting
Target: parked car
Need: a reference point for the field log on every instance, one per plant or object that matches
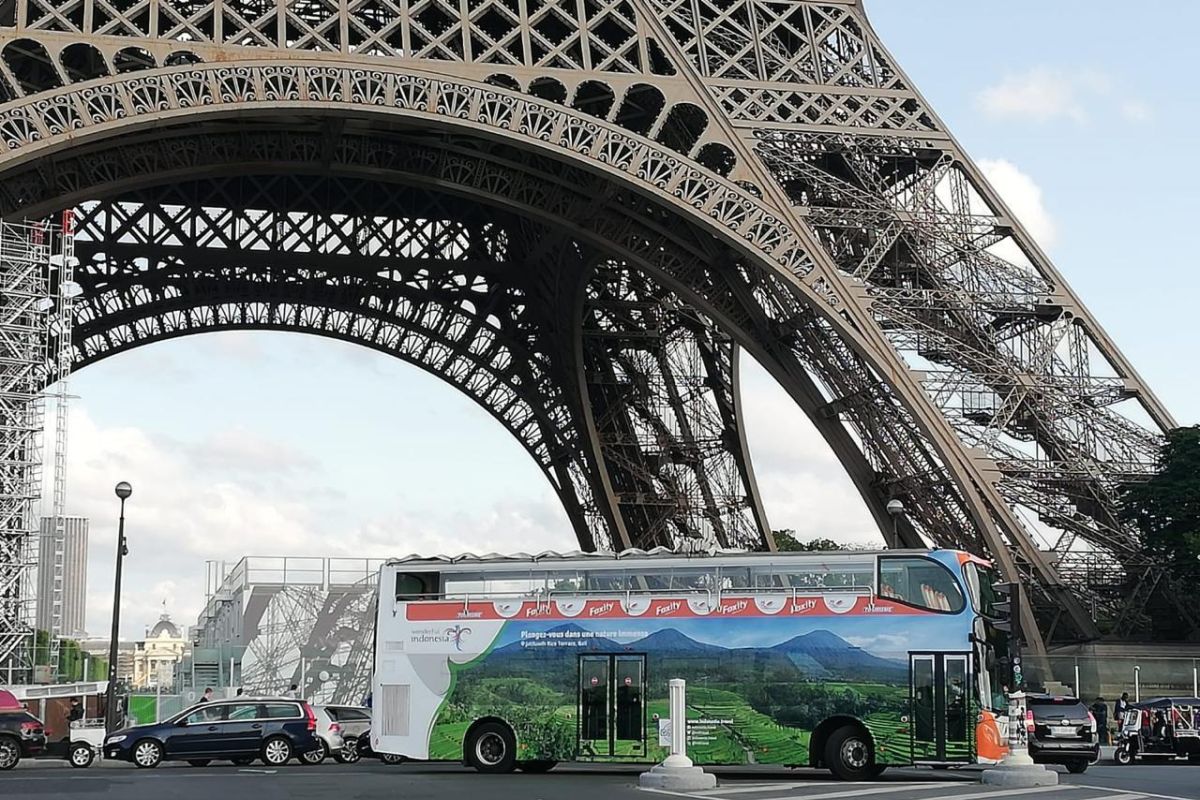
(329, 733)
(355, 726)
(274, 729)
(1064, 732)
(22, 735)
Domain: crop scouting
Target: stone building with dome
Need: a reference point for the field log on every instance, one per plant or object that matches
(155, 657)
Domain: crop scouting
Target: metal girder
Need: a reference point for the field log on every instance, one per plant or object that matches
(705, 176)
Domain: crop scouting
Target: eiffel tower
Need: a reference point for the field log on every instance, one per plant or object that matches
(580, 213)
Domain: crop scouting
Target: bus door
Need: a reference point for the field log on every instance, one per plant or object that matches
(612, 706)
(940, 722)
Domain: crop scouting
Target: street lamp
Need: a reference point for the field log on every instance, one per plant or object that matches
(122, 490)
(896, 508)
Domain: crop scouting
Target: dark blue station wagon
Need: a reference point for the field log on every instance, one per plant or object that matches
(272, 729)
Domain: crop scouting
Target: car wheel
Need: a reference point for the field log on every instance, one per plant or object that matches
(199, 762)
(850, 755)
(10, 752)
(147, 754)
(314, 757)
(492, 748)
(1078, 766)
(349, 753)
(1122, 756)
(81, 755)
(391, 759)
(242, 762)
(536, 766)
(276, 751)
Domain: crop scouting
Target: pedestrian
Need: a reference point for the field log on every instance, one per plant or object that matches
(1120, 707)
(204, 698)
(1100, 712)
(294, 692)
(239, 692)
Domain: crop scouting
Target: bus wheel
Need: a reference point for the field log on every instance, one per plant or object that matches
(536, 766)
(850, 756)
(492, 748)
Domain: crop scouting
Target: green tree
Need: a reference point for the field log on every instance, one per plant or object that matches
(1166, 508)
(787, 542)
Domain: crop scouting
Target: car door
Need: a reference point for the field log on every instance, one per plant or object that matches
(197, 734)
(243, 730)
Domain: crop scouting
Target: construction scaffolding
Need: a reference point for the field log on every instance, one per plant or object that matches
(26, 251)
(60, 279)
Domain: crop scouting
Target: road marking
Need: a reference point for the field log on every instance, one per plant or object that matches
(763, 787)
(259, 771)
(1140, 793)
(890, 788)
(1011, 792)
(898, 787)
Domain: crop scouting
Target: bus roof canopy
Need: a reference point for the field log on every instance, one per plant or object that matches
(632, 554)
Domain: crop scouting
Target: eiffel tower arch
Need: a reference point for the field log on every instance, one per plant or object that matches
(580, 213)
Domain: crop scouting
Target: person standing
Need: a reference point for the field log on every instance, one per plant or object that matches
(1100, 712)
(294, 692)
(204, 698)
(1121, 706)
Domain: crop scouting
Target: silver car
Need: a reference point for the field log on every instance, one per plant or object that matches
(329, 733)
(351, 723)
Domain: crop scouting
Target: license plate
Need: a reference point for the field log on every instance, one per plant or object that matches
(1062, 731)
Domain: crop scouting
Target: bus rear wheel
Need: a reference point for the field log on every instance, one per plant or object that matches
(850, 755)
(491, 747)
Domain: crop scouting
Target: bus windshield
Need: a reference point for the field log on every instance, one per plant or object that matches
(980, 582)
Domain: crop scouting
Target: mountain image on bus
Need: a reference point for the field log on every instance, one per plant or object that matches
(852, 661)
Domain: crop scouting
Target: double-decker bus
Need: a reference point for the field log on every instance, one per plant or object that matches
(849, 660)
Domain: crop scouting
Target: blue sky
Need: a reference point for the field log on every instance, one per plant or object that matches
(278, 444)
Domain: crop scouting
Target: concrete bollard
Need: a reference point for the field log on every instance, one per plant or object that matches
(677, 772)
(1017, 770)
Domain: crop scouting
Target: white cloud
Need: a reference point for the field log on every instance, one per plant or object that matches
(1040, 94)
(802, 483)
(1023, 196)
(239, 494)
(1044, 94)
(1136, 111)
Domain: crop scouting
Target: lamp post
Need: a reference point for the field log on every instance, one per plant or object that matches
(896, 509)
(122, 490)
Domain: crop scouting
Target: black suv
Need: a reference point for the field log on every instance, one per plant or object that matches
(241, 730)
(1064, 732)
(21, 736)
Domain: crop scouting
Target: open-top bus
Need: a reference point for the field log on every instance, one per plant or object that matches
(848, 660)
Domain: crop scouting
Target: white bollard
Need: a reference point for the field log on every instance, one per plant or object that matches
(678, 713)
(1017, 770)
(677, 772)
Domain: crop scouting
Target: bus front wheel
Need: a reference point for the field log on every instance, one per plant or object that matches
(492, 748)
(850, 755)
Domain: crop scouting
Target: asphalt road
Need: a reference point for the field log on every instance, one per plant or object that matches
(370, 780)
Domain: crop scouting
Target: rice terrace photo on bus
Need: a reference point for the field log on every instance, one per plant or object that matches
(849, 660)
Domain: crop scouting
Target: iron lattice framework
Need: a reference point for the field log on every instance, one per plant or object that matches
(579, 212)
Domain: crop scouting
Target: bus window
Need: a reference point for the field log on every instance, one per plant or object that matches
(416, 585)
(980, 585)
(830, 572)
(919, 582)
